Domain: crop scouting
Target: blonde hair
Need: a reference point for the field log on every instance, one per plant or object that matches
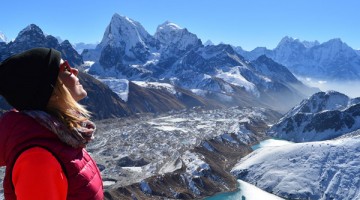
(64, 107)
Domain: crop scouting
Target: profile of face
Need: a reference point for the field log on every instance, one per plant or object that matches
(68, 76)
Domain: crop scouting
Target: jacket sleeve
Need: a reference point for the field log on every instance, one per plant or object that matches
(37, 174)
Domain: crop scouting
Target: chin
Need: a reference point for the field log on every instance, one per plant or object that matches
(80, 96)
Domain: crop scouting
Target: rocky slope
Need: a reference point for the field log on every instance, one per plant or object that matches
(101, 101)
(180, 155)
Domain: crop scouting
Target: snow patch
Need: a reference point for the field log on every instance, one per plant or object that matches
(134, 169)
(169, 128)
(234, 77)
(156, 85)
(119, 86)
(194, 163)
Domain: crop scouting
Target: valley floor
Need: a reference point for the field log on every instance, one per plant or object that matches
(185, 154)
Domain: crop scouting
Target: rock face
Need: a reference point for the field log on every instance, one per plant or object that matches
(143, 99)
(331, 60)
(322, 116)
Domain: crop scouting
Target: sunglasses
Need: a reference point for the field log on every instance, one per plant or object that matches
(65, 67)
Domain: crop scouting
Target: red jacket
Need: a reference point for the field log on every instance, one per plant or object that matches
(19, 132)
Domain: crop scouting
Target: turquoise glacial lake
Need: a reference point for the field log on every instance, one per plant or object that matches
(246, 190)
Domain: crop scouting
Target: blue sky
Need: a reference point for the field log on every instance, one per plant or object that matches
(245, 23)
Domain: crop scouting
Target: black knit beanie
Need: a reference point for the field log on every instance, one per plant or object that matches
(27, 79)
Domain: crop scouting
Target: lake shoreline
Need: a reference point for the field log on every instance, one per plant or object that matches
(270, 142)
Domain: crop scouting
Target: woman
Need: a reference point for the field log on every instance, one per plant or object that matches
(42, 141)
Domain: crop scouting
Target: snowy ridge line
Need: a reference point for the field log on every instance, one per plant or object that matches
(325, 115)
(174, 55)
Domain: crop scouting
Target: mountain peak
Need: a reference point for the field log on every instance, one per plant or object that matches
(321, 101)
(264, 58)
(31, 28)
(336, 40)
(336, 43)
(116, 18)
(127, 39)
(29, 36)
(286, 39)
(3, 37)
(209, 42)
(168, 26)
(176, 39)
(125, 33)
(310, 44)
(289, 41)
(325, 115)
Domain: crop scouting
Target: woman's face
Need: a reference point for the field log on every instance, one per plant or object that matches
(68, 76)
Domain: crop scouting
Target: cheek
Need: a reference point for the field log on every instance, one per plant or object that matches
(68, 80)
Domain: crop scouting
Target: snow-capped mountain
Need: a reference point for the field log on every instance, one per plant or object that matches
(314, 170)
(32, 36)
(176, 56)
(125, 46)
(3, 37)
(208, 42)
(220, 70)
(175, 40)
(81, 46)
(325, 115)
(331, 60)
(101, 100)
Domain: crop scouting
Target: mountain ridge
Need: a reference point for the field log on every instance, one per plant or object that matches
(330, 60)
(325, 115)
(176, 56)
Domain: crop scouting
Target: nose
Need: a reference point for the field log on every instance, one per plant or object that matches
(75, 71)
